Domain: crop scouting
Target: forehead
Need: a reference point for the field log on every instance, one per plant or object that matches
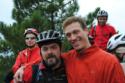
(30, 35)
(73, 26)
(102, 17)
(50, 45)
(120, 49)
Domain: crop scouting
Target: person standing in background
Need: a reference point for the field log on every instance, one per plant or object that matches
(101, 33)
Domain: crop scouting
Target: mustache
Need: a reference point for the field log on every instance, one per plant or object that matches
(51, 56)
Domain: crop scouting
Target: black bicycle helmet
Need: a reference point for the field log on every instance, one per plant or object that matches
(50, 36)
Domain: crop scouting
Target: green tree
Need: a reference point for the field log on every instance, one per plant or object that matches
(40, 14)
(46, 13)
(91, 16)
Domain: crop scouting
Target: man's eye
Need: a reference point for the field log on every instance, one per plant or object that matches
(75, 32)
(44, 49)
(68, 35)
(27, 38)
(54, 47)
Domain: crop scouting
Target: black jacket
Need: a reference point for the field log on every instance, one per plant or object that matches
(44, 74)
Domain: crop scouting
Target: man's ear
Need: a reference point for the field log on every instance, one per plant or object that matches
(86, 30)
(61, 48)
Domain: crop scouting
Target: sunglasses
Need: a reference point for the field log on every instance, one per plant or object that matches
(31, 38)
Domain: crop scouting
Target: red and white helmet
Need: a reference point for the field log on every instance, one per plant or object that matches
(115, 41)
(31, 30)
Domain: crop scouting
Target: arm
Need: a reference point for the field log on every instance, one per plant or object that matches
(115, 74)
(118, 76)
(36, 58)
(33, 62)
(113, 31)
(27, 76)
(19, 73)
(24, 75)
(17, 63)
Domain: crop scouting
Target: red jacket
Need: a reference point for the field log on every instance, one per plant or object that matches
(27, 57)
(101, 35)
(28, 73)
(93, 66)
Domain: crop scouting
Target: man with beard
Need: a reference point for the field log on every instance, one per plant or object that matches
(26, 57)
(101, 33)
(51, 69)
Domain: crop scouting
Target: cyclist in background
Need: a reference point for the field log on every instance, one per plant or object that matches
(102, 31)
(26, 57)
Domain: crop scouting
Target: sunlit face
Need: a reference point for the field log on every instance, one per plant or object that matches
(30, 40)
(51, 54)
(102, 20)
(77, 36)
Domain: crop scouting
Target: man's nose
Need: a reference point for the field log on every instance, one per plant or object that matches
(73, 37)
(49, 51)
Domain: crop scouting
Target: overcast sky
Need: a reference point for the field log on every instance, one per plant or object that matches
(115, 9)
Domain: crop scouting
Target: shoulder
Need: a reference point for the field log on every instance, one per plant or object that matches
(24, 50)
(108, 61)
(68, 54)
(110, 26)
(37, 48)
(109, 58)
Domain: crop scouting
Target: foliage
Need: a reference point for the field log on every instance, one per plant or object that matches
(40, 14)
(46, 13)
(91, 16)
(5, 66)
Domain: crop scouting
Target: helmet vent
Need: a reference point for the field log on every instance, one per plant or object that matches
(123, 39)
(117, 37)
(41, 36)
(109, 43)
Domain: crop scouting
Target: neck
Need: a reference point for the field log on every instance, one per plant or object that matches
(102, 24)
(31, 47)
(81, 51)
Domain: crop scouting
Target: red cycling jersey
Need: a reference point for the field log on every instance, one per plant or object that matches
(101, 35)
(93, 66)
(27, 57)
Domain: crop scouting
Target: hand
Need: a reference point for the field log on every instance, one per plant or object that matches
(18, 77)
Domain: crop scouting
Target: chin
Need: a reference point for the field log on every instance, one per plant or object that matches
(77, 48)
(51, 64)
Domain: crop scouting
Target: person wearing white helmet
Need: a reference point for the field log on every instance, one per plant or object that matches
(102, 31)
(116, 45)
